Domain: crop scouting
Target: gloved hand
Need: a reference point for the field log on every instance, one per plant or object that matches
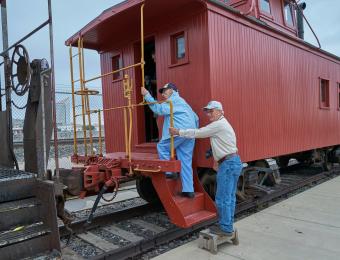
(208, 153)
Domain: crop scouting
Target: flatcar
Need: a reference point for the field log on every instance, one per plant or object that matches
(281, 94)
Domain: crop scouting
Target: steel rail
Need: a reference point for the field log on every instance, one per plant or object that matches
(279, 193)
(137, 248)
(78, 226)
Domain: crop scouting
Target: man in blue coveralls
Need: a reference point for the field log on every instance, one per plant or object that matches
(184, 117)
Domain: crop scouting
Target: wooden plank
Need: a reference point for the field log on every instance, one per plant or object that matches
(97, 241)
(147, 225)
(124, 234)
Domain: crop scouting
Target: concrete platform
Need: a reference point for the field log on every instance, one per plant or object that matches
(306, 226)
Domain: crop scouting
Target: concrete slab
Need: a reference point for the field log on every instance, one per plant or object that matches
(306, 226)
(87, 203)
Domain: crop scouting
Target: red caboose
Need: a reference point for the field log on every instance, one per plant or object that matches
(281, 94)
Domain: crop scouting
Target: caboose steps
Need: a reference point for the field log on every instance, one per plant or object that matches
(182, 211)
(146, 148)
(202, 216)
(189, 206)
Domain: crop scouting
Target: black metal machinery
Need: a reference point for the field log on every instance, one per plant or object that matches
(28, 223)
(34, 78)
(29, 204)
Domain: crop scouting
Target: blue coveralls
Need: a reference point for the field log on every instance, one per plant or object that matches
(184, 118)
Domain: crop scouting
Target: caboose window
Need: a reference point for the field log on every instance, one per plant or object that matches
(288, 13)
(116, 65)
(265, 6)
(179, 48)
(324, 93)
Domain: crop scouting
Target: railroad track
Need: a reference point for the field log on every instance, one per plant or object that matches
(133, 230)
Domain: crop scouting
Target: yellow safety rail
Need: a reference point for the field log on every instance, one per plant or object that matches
(75, 145)
(84, 92)
(128, 125)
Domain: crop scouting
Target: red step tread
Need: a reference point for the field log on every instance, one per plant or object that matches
(180, 199)
(190, 205)
(199, 217)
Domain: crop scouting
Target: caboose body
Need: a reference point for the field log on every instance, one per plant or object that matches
(272, 84)
(281, 94)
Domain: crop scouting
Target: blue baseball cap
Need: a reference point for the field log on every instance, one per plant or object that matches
(168, 86)
(213, 105)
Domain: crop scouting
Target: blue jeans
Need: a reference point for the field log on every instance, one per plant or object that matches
(227, 177)
(184, 151)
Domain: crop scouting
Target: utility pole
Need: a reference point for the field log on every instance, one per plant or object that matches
(8, 88)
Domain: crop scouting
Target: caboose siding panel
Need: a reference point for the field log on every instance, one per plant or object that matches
(267, 80)
(191, 78)
(113, 97)
(270, 90)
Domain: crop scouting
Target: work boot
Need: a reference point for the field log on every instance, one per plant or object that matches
(188, 194)
(216, 229)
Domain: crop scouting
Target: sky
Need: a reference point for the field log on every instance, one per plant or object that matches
(71, 15)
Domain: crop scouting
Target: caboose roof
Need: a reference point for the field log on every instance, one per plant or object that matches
(123, 20)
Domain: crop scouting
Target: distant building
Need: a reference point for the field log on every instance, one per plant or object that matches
(63, 112)
(18, 131)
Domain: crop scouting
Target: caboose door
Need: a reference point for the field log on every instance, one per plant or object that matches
(147, 120)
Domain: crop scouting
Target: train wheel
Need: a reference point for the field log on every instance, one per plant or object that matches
(208, 181)
(262, 177)
(282, 161)
(327, 164)
(146, 190)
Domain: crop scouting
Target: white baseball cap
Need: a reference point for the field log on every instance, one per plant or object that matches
(213, 105)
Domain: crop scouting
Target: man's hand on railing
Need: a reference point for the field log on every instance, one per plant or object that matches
(173, 131)
(144, 91)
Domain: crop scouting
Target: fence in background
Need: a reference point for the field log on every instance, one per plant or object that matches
(64, 126)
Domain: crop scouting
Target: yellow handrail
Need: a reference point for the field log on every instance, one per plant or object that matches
(125, 132)
(142, 46)
(82, 97)
(87, 100)
(113, 72)
(172, 145)
(172, 150)
(147, 170)
(75, 145)
(86, 111)
(128, 86)
(100, 133)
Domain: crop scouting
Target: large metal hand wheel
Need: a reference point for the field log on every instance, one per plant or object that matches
(20, 70)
